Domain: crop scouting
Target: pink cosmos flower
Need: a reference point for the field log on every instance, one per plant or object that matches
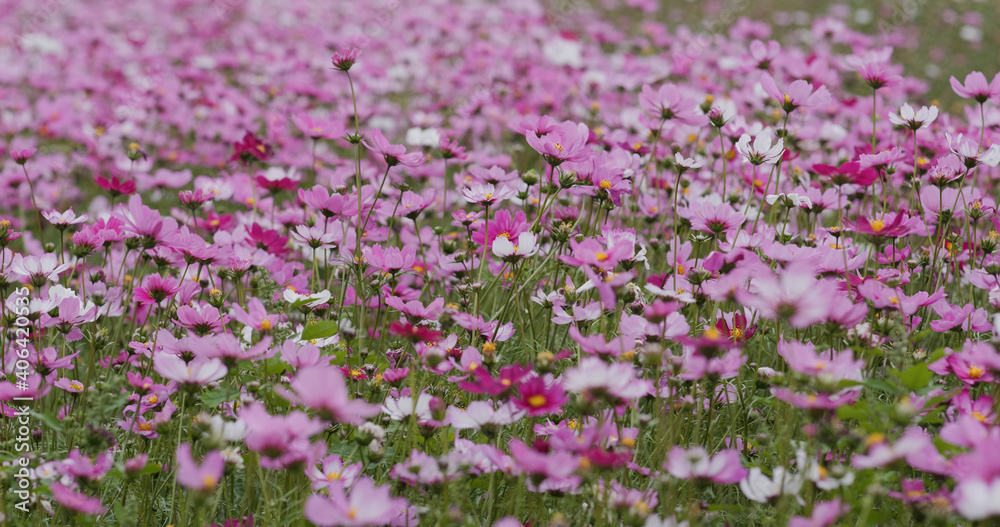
(825, 513)
(37, 270)
(331, 470)
(716, 219)
(804, 359)
(318, 128)
(798, 94)
(75, 500)
(595, 378)
(198, 372)
(323, 388)
(204, 477)
(486, 195)
(976, 87)
(282, 440)
(256, 316)
(156, 288)
(592, 252)
(724, 467)
(877, 75)
(666, 103)
(366, 505)
(390, 259)
(392, 154)
(346, 60)
(566, 142)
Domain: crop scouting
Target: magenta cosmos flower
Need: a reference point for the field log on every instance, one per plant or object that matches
(392, 154)
(694, 463)
(538, 399)
(566, 142)
(366, 505)
(322, 388)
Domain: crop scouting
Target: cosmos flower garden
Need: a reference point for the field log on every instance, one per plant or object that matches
(477, 263)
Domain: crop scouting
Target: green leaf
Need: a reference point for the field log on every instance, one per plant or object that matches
(222, 395)
(858, 410)
(151, 468)
(49, 421)
(320, 330)
(916, 376)
(275, 366)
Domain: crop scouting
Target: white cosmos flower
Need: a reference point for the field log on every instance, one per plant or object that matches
(763, 152)
(922, 118)
(792, 198)
(526, 246)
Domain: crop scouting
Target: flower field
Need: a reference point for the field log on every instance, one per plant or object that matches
(471, 263)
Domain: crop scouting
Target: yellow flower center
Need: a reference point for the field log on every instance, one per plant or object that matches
(712, 333)
(584, 463)
(736, 333)
(788, 99)
(260, 148)
(709, 98)
(265, 325)
(152, 399)
(642, 506)
(637, 146)
(877, 225)
(99, 130)
(822, 472)
(601, 256)
(333, 476)
(76, 385)
(316, 129)
(605, 184)
(215, 292)
(537, 401)
(352, 512)
(976, 372)
(894, 299)
(505, 382)
(980, 417)
(914, 493)
(489, 347)
(133, 146)
(558, 147)
(875, 439)
(473, 366)
(628, 442)
(145, 427)
(488, 196)
(680, 269)
(209, 482)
